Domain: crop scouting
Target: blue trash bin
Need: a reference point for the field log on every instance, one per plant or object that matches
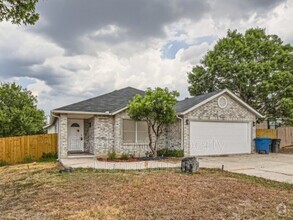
(262, 145)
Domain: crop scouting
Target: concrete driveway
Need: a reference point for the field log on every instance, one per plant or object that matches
(277, 167)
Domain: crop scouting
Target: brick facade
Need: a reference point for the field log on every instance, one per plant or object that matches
(63, 136)
(234, 111)
(104, 133)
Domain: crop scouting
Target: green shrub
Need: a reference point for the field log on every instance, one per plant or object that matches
(28, 159)
(3, 163)
(170, 153)
(49, 157)
(124, 156)
(112, 155)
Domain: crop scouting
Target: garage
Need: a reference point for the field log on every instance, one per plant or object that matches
(219, 138)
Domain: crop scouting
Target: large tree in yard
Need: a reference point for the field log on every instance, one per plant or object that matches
(156, 107)
(255, 66)
(18, 112)
(19, 11)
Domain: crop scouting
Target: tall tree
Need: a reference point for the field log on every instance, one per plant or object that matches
(157, 109)
(19, 11)
(256, 66)
(18, 112)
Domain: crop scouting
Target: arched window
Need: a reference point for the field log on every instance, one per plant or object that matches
(75, 125)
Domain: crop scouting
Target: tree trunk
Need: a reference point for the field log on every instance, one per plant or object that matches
(151, 140)
(156, 146)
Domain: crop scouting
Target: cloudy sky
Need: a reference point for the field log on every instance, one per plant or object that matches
(80, 49)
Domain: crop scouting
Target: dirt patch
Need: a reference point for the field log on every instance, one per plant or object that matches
(41, 192)
(286, 150)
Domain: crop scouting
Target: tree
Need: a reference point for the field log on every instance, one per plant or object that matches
(157, 109)
(18, 112)
(255, 66)
(19, 11)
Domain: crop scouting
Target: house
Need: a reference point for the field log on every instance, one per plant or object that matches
(215, 123)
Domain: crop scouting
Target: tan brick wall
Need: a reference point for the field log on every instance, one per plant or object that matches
(234, 111)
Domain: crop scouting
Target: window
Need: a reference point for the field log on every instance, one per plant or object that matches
(75, 125)
(135, 131)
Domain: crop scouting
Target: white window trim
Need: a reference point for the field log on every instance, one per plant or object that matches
(134, 132)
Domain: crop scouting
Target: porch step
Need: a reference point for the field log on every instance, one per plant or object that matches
(76, 156)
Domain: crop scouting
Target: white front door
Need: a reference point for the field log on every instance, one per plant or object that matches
(219, 138)
(75, 135)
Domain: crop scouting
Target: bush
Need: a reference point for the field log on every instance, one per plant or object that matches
(124, 156)
(28, 159)
(170, 153)
(49, 157)
(3, 163)
(112, 155)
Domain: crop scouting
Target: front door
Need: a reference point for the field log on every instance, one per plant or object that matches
(75, 135)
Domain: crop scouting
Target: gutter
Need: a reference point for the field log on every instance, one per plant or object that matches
(81, 112)
(182, 131)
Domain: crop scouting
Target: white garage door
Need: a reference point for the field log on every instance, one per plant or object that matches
(219, 138)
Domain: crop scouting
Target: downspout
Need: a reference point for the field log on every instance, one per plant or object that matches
(182, 130)
(59, 141)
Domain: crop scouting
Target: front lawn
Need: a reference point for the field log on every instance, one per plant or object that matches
(39, 191)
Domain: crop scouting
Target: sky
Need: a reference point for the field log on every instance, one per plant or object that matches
(81, 49)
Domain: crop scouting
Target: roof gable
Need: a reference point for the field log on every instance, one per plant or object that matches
(107, 103)
(187, 105)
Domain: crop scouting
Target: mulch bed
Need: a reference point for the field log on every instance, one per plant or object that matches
(133, 159)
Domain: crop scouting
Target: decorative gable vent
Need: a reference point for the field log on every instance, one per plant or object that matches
(222, 102)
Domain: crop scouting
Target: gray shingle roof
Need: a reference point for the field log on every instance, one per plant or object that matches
(183, 105)
(119, 99)
(109, 102)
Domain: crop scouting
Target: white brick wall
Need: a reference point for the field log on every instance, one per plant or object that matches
(105, 132)
(63, 136)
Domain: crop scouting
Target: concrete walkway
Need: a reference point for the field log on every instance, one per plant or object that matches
(139, 165)
(277, 167)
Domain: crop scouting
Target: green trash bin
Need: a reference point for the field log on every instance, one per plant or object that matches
(275, 146)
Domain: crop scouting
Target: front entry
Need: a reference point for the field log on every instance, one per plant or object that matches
(75, 135)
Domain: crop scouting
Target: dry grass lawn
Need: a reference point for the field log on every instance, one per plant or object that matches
(40, 192)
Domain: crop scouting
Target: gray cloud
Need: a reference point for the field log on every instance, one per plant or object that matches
(66, 22)
(117, 40)
(243, 9)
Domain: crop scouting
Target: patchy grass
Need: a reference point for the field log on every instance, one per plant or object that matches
(39, 191)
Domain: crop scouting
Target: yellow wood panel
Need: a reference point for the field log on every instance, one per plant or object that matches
(269, 133)
(16, 149)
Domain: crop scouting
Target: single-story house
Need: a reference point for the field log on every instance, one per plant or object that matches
(216, 123)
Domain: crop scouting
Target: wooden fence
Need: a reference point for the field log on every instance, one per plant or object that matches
(286, 136)
(16, 149)
(283, 133)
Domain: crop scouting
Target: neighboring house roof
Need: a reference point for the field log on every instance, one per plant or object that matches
(188, 103)
(107, 103)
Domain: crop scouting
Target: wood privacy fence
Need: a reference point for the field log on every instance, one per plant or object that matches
(286, 136)
(283, 133)
(16, 149)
